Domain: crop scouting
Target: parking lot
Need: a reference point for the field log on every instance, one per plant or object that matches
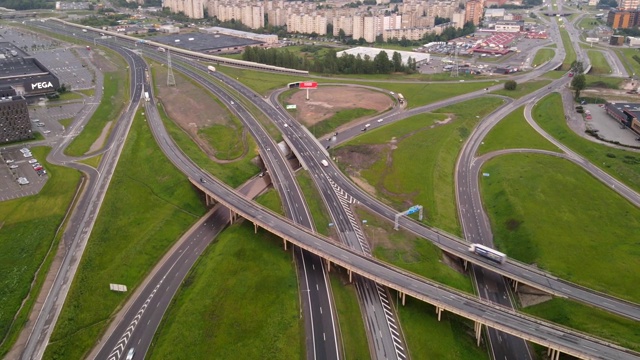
(15, 165)
(67, 66)
(608, 128)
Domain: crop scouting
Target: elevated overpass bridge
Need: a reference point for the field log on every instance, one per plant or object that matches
(558, 339)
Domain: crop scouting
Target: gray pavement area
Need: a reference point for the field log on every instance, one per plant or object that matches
(608, 128)
(73, 66)
(9, 187)
(68, 66)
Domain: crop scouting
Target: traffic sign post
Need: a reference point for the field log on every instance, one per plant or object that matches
(412, 210)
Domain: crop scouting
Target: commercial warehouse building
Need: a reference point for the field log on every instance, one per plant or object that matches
(25, 74)
(626, 114)
(14, 116)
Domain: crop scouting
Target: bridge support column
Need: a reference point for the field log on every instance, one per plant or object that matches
(402, 297)
(553, 354)
(328, 265)
(465, 263)
(284, 241)
(515, 285)
(439, 312)
(208, 200)
(478, 330)
(232, 217)
(350, 280)
(255, 231)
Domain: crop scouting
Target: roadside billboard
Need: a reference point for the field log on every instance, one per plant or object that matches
(308, 85)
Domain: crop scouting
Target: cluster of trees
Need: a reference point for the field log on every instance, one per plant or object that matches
(604, 3)
(27, 4)
(330, 63)
(106, 20)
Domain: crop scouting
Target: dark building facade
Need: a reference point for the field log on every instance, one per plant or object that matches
(14, 117)
(28, 76)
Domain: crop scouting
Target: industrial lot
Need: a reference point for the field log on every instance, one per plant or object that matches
(214, 207)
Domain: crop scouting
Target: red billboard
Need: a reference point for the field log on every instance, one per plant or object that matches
(308, 85)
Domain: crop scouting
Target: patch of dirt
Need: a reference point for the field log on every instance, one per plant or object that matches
(326, 101)
(529, 296)
(97, 145)
(101, 60)
(192, 109)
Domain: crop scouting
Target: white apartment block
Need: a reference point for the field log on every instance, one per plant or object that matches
(307, 24)
(458, 19)
(191, 8)
(409, 34)
(345, 23)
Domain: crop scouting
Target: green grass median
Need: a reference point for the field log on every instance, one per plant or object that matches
(513, 132)
(240, 301)
(148, 206)
(29, 228)
(599, 64)
(412, 161)
(542, 56)
(114, 99)
(549, 212)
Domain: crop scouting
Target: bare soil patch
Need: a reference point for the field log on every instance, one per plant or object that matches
(97, 145)
(102, 61)
(326, 101)
(191, 108)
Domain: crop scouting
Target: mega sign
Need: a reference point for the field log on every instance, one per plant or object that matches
(308, 85)
(41, 85)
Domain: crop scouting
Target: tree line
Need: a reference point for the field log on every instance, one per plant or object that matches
(27, 4)
(330, 63)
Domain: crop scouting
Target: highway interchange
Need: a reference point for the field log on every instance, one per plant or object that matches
(315, 154)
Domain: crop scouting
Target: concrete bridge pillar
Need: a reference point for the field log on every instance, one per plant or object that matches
(515, 285)
(284, 241)
(328, 265)
(232, 217)
(255, 231)
(350, 279)
(208, 200)
(478, 330)
(465, 263)
(439, 312)
(553, 354)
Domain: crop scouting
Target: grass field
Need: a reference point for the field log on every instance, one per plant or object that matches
(542, 56)
(93, 161)
(621, 164)
(416, 94)
(148, 206)
(523, 88)
(621, 331)
(409, 252)
(114, 99)
(352, 328)
(226, 139)
(66, 122)
(589, 23)
(422, 166)
(240, 301)
(570, 52)
(603, 82)
(340, 118)
(233, 174)
(318, 211)
(626, 55)
(550, 212)
(599, 64)
(28, 229)
(513, 132)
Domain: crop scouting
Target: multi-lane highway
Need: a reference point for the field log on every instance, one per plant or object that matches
(82, 222)
(253, 214)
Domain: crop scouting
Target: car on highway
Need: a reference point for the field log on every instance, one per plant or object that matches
(130, 354)
(380, 120)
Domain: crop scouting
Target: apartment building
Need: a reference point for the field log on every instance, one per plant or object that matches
(629, 5)
(473, 12)
(191, 8)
